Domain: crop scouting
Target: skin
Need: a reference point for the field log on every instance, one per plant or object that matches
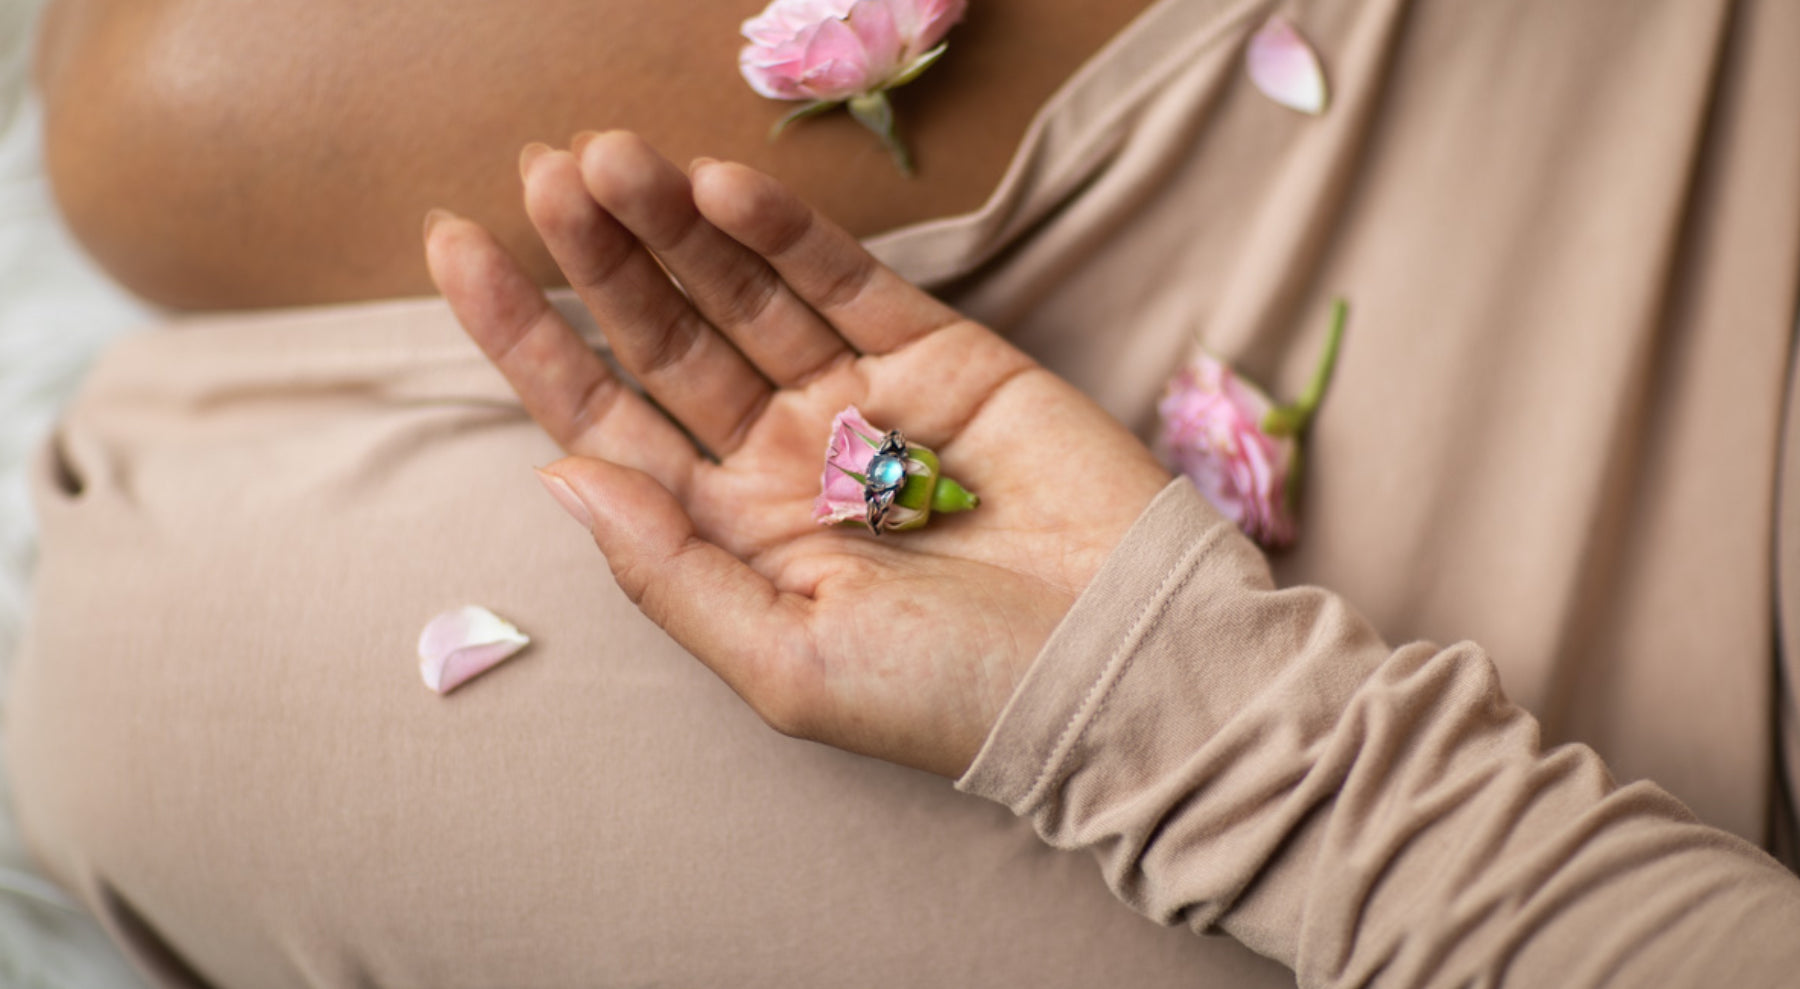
(214, 158)
(904, 647)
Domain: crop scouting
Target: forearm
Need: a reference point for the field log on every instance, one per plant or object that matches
(1260, 762)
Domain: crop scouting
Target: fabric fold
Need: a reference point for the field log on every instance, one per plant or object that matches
(1259, 762)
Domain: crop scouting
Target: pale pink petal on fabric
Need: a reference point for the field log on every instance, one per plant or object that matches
(1284, 67)
(459, 645)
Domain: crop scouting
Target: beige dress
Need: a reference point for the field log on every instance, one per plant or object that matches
(1570, 232)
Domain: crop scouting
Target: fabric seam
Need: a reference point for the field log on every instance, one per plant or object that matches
(1095, 697)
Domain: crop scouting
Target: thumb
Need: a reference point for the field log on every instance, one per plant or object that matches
(729, 616)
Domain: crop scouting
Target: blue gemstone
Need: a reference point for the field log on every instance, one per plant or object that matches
(887, 472)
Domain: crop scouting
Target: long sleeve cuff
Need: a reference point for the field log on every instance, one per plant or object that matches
(1259, 761)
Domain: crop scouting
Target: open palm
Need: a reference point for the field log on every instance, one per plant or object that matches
(905, 646)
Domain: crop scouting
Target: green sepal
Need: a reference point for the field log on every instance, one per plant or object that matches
(873, 111)
(812, 109)
(949, 496)
(919, 65)
(1284, 421)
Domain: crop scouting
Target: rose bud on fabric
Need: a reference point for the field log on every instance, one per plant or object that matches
(459, 645)
(858, 454)
(1240, 449)
(831, 52)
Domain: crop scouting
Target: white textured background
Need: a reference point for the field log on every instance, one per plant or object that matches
(56, 312)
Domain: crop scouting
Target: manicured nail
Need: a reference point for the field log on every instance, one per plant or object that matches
(582, 140)
(528, 154)
(434, 217)
(567, 498)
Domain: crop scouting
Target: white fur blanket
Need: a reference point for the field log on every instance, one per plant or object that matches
(56, 312)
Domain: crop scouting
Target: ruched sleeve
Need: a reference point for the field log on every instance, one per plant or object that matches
(1257, 761)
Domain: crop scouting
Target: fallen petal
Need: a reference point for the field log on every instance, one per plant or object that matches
(1284, 67)
(460, 645)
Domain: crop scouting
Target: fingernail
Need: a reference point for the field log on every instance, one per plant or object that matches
(567, 498)
(528, 154)
(701, 162)
(582, 140)
(435, 216)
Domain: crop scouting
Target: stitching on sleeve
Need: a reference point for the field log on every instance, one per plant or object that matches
(1095, 697)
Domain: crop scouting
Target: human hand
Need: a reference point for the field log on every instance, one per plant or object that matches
(904, 647)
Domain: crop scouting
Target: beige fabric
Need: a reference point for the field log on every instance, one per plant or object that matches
(1259, 760)
(1571, 237)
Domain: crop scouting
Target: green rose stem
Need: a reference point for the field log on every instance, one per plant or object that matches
(1293, 420)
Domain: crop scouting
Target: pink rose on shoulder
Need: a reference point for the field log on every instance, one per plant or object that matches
(1238, 447)
(829, 52)
(832, 50)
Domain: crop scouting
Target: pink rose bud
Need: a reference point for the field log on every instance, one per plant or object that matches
(1238, 447)
(828, 52)
(861, 462)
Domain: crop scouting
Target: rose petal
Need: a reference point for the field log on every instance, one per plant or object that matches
(926, 22)
(852, 445)
(836, 66)
(459, 645)
(774, 79)
(1212, 432)
(786, 18)
(873, 23)
(1284, 67)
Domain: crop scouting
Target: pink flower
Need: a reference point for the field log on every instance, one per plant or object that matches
(829, 52)
(832, 50)
(852, 446)
(854, 450)
(1212, 432)
(1238, 447)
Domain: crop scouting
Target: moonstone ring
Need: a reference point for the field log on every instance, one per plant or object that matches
(885, 477)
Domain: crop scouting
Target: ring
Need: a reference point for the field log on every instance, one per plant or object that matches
(885, 477)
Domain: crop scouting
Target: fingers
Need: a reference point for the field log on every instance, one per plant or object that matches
(683, 363)
(874, 308)
(734, 289)
(562, 383)
(728, 615)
